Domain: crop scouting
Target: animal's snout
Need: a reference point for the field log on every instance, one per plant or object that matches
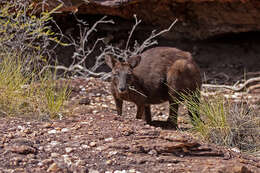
(121, 88)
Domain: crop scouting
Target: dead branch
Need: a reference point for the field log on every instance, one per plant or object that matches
(150, 42)
(137, 49)
(83, 50)
(234, 87)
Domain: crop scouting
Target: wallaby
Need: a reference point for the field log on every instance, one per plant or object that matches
(157, 75)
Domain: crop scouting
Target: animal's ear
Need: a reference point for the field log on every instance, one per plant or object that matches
(110, 61)
(134, 60)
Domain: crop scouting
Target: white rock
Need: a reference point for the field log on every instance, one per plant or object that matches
(20, 127)
(92, 144)
(64, 130)
(94, 111)
(52, 131)
(85, 146)
(235, 150)
(54, 143)
(93, 171)
(108, 139)
(68, 149)
(111, 153)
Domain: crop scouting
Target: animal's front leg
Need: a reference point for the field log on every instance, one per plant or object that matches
(119, 105)
(140, 112)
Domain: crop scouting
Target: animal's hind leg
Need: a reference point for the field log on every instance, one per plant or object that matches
(173, 113)
(140, 112)
(148, 116)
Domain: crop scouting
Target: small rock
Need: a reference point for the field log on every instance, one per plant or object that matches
(53, 168)
(235, 149)
(21, 149)
(20, 127)
(45, 162)
(67, 160)
(234, 169)
(84, 101)
(123, 171)
(54, 143)
(68, 150)
(90, 132)
(27, 131)
(111, 153)
(52, 131)
(109, 162)
(47, 125)
(108, 139)
(94, 111)
(64, 130)
(93, 144)
(93, 171)
(85, 146)
(101, 148)
(80, 163)
(55, 154)
(152, 152)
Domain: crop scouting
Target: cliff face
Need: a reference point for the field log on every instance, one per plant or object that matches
(198, 19)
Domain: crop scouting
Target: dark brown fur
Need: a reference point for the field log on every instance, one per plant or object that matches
(157, 75)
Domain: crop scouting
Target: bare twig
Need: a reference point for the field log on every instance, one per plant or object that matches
(137, 22)
(234, 88)
(149, 41)
(137, 49)
(83, 51)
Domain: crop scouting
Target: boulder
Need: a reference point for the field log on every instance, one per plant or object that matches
(197, 19)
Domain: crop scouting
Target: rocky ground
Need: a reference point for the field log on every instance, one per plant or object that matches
(94, 139)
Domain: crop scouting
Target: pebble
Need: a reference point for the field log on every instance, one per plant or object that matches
(108, 139)
(45, 162)
(54, 143)
(53, 168)
(93, 171)
(67, 160)
(93, 144)
(52, 131)
(109, 162)
(236, 150)
(55, 154)
(123, 171)
(47, 125)
(64, 130)
(68, 150)
(111, 153)
(95, 111)
(85, 146)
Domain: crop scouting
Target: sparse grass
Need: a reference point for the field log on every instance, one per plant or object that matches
(22, 94)
(25, 38)
(225, 122)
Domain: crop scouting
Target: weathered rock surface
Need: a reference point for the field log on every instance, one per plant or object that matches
(198, 19)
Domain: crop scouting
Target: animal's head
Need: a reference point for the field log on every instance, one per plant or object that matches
(122, 72)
